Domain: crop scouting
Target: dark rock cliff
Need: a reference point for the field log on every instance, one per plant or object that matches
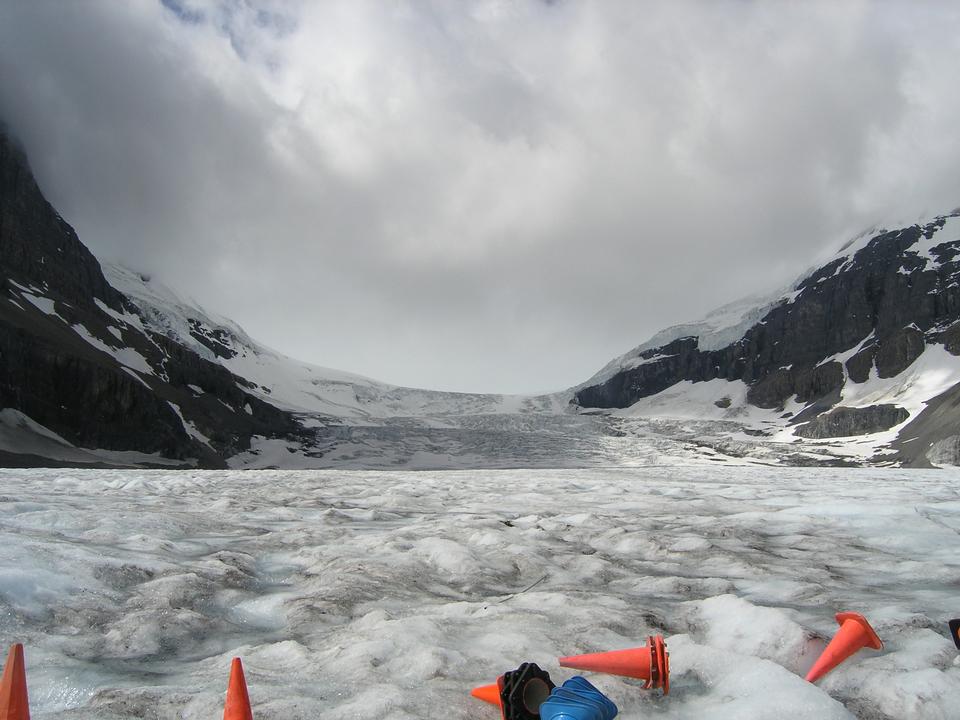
(847, 422)
(35, 242)
(60, 341)
(885, 296)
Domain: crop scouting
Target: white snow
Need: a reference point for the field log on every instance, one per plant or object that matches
(930, 375)
(842, 357)
(950, 232)
(188, 425)
(372, 595)
(25, 288)
(136, 377)
(637, 361)
(43, 304)
(689, 400)
(126, 356)
(933, 373)
(123, 318)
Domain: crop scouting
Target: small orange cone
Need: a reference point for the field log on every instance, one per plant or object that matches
(488, 693)
(237, 706)
(650, 663)
(854, 633)
(13, 687)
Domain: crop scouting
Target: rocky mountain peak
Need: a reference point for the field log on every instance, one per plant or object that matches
(869, 313)
(35, 242)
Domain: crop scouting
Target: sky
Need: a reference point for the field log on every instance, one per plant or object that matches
(480, 195)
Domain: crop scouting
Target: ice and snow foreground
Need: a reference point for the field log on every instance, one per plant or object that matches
(391, 594)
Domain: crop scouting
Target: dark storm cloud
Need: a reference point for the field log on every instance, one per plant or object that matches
(484, 195)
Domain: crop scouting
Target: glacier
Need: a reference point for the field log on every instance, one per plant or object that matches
(390, 594)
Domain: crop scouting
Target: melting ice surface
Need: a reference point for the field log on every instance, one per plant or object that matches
(391, 594)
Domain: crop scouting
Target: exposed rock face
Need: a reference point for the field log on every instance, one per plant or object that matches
(891, 299)
(847, 422)
(66, 387)
(63, 336)
(931, 437)
(945, 451)
(35, 242)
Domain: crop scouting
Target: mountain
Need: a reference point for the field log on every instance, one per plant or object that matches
(864, 347)
(101, 365)
(83, 379)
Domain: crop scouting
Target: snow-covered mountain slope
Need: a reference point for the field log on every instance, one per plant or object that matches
(855, 355)
(728, 323)
(715, 330)
(722, 327)
(83, 377)
(118, 369)
(289, 383)
(209, 374)
(389, 595)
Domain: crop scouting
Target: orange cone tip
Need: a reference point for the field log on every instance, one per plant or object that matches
(854, 634)
(237, 706)
(650, 663)
(13, 687)
(487, 693)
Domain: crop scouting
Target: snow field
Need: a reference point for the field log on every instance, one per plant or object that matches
(392, 594)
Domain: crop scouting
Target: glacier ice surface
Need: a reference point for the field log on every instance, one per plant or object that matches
(353, 594)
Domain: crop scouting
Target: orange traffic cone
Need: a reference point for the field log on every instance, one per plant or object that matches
(650, 663)
(854, 633)
(13, 687)
(488, 693)
(237, 706)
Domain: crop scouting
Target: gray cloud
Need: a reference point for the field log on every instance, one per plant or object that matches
(481, 195)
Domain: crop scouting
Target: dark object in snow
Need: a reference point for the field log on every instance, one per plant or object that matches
(518, 693)
(522, 691)
(955, 631)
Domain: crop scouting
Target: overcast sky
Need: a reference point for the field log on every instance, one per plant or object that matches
(484, 196)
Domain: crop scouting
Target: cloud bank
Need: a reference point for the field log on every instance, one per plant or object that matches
(484, 195)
